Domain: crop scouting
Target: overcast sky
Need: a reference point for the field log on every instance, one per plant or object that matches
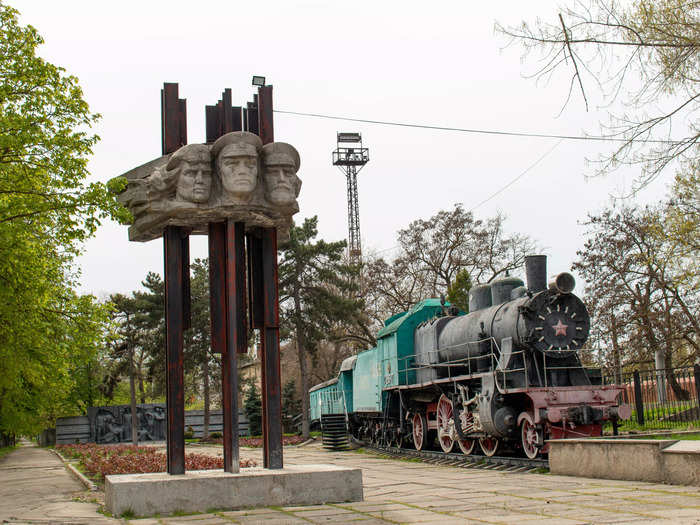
(436, 63)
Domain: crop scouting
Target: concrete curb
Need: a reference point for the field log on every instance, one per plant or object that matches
(79, 475)
(303, 444)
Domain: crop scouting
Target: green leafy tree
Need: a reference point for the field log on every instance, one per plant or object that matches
(47, 209)
(458, 291)
(252, 406)
(291, 405)
(317, 296)
(644, 54)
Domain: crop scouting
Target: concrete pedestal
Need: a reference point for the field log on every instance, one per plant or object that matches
(200, 490)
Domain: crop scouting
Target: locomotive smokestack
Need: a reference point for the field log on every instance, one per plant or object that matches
(536, 272)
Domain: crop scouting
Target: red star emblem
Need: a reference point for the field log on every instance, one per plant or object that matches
(560, 328)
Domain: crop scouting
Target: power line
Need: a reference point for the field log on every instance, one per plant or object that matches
(501, 190)
(479, 131)
(516, 179)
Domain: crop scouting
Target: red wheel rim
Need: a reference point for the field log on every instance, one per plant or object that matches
(528, 434)
(418, 431)
(466, 445)
(444, 417)
(488, 445)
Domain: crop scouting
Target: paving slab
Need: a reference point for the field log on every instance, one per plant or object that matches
(36, 487)
(395, 492)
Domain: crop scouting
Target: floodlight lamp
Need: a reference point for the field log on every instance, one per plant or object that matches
(258, 81)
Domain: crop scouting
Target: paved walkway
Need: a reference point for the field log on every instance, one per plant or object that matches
(34, 488)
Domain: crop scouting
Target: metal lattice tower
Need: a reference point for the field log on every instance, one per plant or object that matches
(350, 157)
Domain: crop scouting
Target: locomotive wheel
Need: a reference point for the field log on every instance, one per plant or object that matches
(444, 416)
(465, 419)
(466, 445)
(489, 445)
(528, 436)
(420, 430)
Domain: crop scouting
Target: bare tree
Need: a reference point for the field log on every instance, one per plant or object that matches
(637, 298)
(644, 54)
(432, 253)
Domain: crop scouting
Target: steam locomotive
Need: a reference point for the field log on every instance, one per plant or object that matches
(507, 375)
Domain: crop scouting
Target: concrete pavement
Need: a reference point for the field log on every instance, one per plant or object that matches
(35, 488)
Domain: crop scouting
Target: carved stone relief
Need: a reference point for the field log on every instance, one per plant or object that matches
(234, 178)
(112, 424)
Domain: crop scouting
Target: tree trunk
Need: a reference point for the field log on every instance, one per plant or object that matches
(681, 395)
(142, 390)
(616, 352)
(303, 373)
(205, 372)
(132, 388)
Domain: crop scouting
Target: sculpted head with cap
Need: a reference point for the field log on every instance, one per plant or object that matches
(281, 163)
(237, 164)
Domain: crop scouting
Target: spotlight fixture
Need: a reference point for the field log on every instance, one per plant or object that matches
(258, 81)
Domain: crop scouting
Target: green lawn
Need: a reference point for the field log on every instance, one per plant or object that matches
(6, 450)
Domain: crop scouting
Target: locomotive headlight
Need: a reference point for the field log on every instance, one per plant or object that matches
(563, 283)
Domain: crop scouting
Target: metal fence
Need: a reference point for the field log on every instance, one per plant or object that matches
(663, 399)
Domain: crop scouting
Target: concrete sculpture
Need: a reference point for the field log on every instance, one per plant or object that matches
(234, 178)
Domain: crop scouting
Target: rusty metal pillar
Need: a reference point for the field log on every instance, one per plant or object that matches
(227, 288)
(228, 322)
(270, 343)
(177, 288)
(269, 334)
(174, 326)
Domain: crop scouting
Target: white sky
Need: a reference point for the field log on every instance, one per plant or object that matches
(436, 63)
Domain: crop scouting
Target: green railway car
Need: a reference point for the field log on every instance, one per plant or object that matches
(390, 362)
(335, 395)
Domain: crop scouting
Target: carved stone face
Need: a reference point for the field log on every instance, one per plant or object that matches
(238, 170)
(194, 176)
(280, 183)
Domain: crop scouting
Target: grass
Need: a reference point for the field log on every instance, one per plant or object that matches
(684, 437)
(6, 450)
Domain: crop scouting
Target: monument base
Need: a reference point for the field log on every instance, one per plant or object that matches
(202, 490)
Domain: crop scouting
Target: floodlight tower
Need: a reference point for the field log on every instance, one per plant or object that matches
(350, 157)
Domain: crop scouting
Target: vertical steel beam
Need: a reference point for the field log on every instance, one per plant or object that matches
(227, 112)
(175, 398)
(211, 118)
(252, 117)
(236, 336)
(255, 281)
(270, 339)
(265, 122)
(176, 256)
(219, 343)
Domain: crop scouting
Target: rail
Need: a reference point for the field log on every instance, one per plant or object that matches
(513, 464)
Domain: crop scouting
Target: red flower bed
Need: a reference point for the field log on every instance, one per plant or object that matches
(100, 461)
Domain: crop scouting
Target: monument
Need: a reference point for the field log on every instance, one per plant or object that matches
(240, 188)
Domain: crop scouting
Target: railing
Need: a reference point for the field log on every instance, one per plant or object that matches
(529, 372)
(661, 399)
(332, 402)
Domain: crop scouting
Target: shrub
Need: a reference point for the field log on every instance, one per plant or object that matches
(100, 461)
(252, 405)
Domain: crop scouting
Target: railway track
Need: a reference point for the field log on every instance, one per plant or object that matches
(502, 463)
